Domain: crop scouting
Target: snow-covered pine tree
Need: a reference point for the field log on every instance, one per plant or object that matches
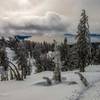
(40, 52)
(21, 56)
(57, 61)
(4, 63)
(83, 42)
(36, 55)
(64, 51)
(73, 58)
(96, 57)
(29, 68)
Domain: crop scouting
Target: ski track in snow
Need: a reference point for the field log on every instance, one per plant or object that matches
(91, 94)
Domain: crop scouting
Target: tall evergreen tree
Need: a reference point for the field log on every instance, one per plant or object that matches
(21, 56)
(57, 61)
(73, 58)
(64, 50)
(83, 42)
(4, 63)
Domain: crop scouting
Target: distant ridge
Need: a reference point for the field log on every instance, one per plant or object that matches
(22, 37)
(92, 34)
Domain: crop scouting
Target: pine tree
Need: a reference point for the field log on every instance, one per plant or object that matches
(64, 51)
(21, 56)
(57, 61)
(83, 42)
(29, 64)
(97, 56)
(36, 55)
(4, 63)
(73, 58)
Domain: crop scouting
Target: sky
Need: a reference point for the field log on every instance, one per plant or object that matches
(46, 17)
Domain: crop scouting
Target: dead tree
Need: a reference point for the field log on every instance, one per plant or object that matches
(48, 80)
(83, 79)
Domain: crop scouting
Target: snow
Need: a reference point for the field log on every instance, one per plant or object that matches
(31, 90)
(93, 93)
(92, 68)
(10, 55)
(33, 87)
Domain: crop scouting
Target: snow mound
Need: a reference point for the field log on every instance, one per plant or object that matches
(93, 68)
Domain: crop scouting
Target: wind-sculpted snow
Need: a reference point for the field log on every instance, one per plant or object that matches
(93, 93)
(28, 90)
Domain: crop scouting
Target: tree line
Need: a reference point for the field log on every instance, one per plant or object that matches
(72, 56)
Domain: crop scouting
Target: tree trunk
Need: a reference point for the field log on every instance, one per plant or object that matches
(18, 74)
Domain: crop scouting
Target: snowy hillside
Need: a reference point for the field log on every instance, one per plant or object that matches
(33, 87)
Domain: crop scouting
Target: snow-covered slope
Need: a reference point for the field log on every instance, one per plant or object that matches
(93, 68)
(33, 89)
(92, 94)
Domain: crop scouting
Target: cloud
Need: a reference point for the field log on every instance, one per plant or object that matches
(52, 23)
(18, 16)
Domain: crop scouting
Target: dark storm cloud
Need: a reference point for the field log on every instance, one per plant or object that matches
(17, 16)
(50, 23)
